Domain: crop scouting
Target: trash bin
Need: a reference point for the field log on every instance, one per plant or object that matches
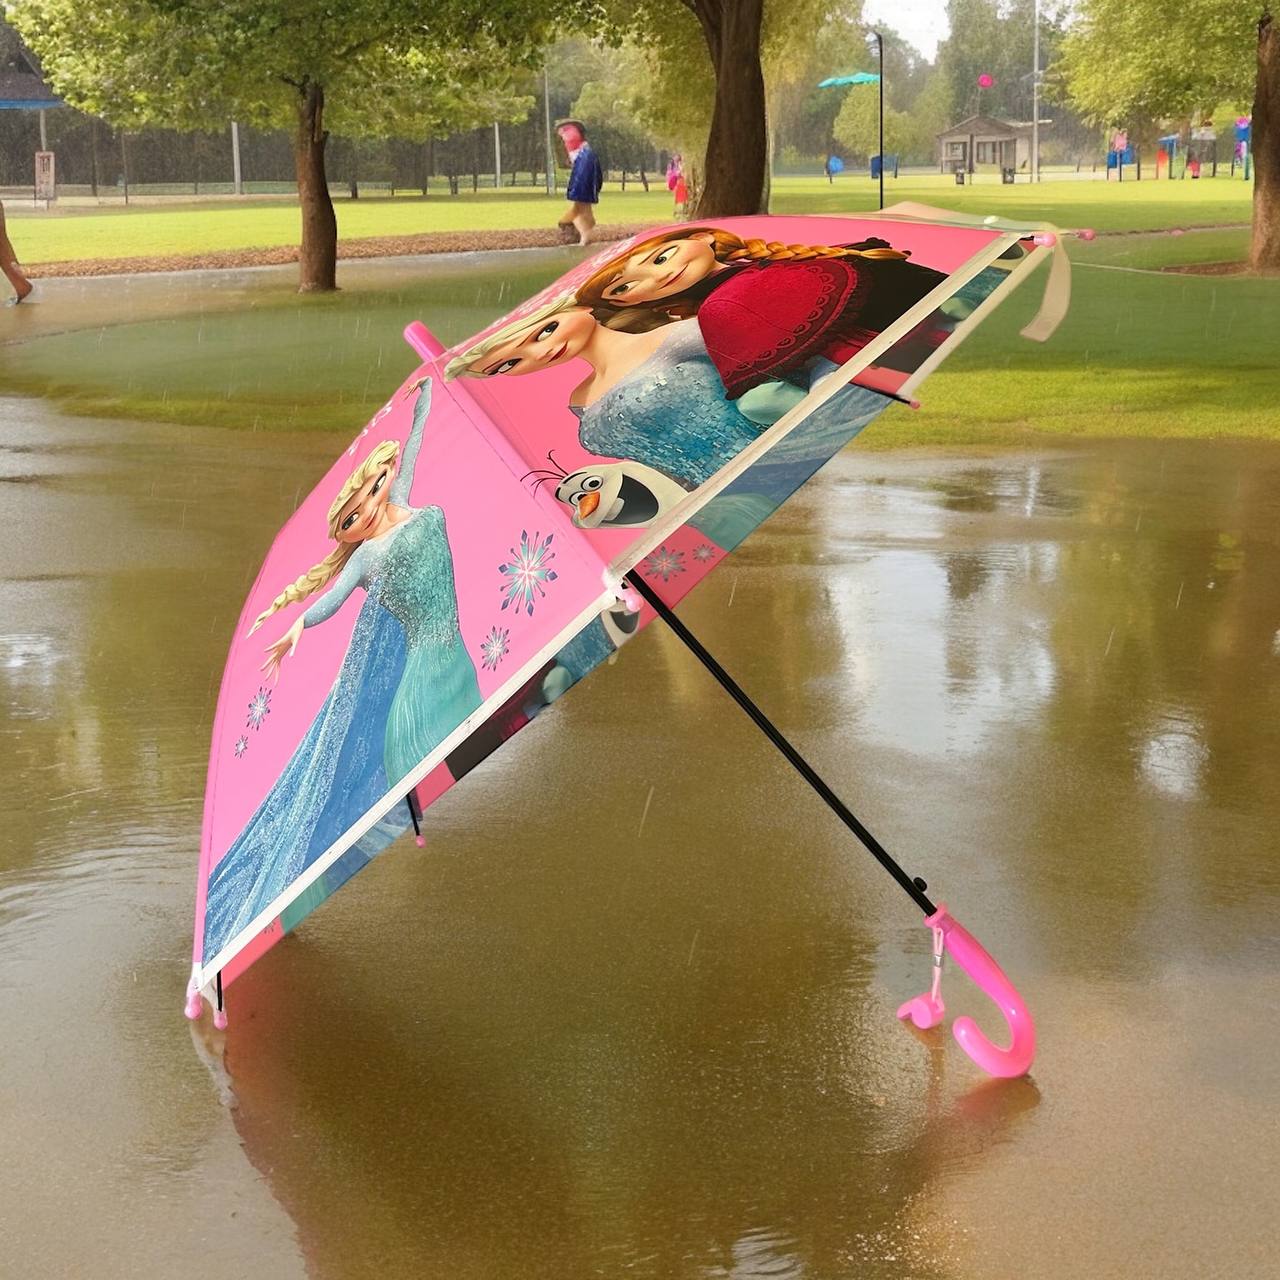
(959, 177)
(1007, 176)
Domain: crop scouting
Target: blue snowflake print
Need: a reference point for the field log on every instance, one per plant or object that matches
(704, 552)
(527, 572)
(494, 647)
(259, 708)
(242, 745)
(663, 563)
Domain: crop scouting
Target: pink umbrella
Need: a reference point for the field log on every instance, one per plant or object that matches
(528, 501)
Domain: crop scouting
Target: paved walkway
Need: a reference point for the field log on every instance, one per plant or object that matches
(369, 247)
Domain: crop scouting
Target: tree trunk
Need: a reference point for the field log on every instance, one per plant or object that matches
(318, 256)
(735, 165)
(766, 187)
(1265, 250)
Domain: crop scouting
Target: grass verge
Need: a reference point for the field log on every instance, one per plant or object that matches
(151, 230)
(1140, 354)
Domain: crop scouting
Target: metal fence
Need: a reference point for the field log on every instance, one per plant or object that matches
(95, 161)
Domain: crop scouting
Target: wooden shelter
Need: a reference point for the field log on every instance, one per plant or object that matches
(983, 140)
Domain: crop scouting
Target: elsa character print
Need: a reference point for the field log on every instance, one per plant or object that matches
(657, 399)
(652, 398)
(405, 683)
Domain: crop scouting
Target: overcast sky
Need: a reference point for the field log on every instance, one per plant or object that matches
(923, 22)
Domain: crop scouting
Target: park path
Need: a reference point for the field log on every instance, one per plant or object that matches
(364, 247)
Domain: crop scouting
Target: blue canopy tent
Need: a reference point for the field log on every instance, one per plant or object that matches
(858, 77)
(18, 94)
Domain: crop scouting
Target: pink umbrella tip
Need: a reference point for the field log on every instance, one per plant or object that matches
(1046, 239)
(925, 1011)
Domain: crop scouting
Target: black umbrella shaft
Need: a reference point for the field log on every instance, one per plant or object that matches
(915, 889)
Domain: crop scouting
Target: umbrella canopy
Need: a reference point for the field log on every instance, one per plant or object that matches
(462, 563)
(858, 77)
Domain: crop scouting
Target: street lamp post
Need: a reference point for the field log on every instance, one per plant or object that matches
(1035, 99)
(546, 109)
(237, 183)
(879, 39)
(866, 77)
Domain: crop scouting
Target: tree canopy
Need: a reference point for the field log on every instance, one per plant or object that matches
(1134, 62)
(388, 65)
(705, 66)
(364, 67)
(1129, 60)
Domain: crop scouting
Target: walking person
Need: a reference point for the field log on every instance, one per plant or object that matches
(9, 265)
(585, 181)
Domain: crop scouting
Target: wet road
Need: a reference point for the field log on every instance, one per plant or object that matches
(631, 1010)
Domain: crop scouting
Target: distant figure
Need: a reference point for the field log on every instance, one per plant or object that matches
(585, 181)
(682, 196)
(829, 170)
(9, 265)
(676, 183)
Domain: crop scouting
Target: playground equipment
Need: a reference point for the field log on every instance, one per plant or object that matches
(1241, 154)
(1120, 154)
(1202, 149)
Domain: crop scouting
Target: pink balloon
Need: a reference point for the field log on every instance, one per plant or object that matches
(985, 81)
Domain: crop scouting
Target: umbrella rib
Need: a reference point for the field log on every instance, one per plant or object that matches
(915, 888)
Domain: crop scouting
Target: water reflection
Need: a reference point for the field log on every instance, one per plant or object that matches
(789, 1136)
(1173, 758)
(632, 1009)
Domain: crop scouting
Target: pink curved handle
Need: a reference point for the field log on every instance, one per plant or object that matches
(972, 957)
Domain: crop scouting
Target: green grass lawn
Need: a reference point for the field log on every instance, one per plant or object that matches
(1128, 206)
(264, 357)
(140, 231)
(1141, 353)
(190, 228)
